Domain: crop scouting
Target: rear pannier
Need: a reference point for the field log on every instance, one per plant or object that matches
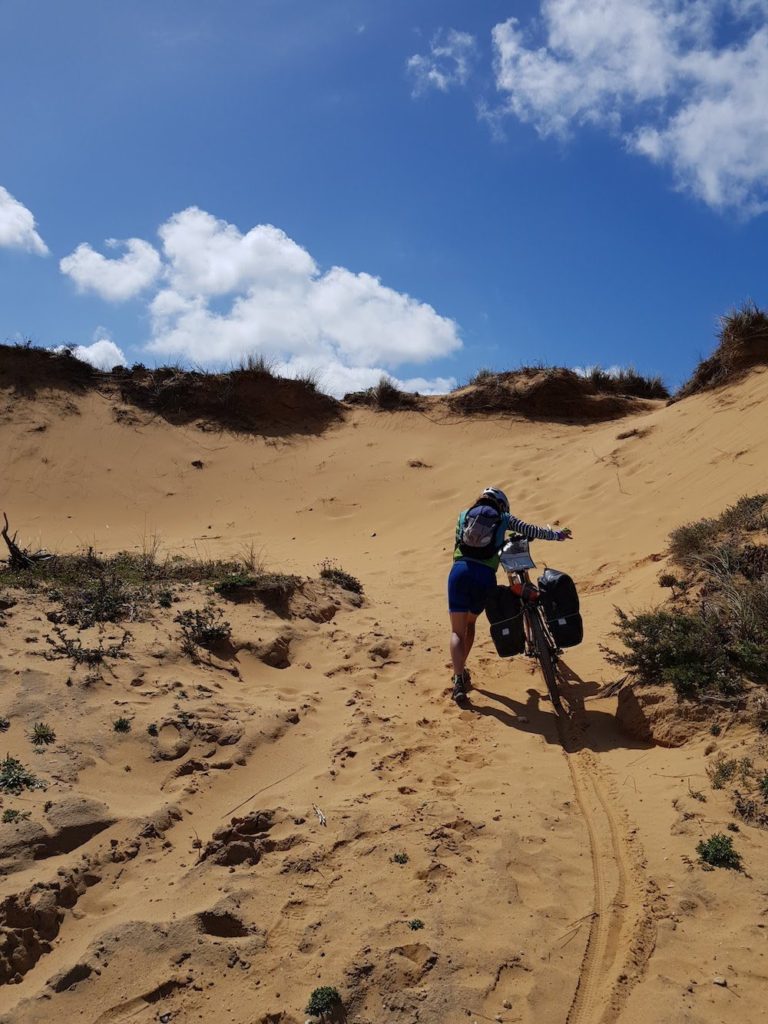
(560, 601)
(505, 613)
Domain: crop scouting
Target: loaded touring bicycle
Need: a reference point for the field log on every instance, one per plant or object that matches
(537, 620)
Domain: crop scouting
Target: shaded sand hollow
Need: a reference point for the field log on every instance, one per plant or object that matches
(554, 874)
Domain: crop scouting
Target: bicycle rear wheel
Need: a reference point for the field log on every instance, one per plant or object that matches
(544, 654)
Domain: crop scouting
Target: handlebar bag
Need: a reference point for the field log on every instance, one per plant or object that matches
(505, 613)
(560, 600)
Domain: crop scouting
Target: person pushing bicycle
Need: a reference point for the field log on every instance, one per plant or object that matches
(480, 534)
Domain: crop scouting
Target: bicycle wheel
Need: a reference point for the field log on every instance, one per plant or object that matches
(544, 654)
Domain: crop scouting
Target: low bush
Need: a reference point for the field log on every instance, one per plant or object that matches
(691, 652)
(386, 396)
(323, 1001)
(334, 574)
(691, 541)
(11, 816)
(122, 724)
(718, 852)
(742, 343)
(202, 627)
(72, 647)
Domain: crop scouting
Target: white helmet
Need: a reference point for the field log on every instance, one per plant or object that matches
(498, 496)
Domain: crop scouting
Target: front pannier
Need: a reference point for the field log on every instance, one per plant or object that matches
(505, 613)
(560, 601)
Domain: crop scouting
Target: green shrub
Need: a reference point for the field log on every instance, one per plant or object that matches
(152, 729)
(688, 651)
(323, 1001)
(749, 513)
(72, 647)
(416, 924)
(15, 778)
(689, 542)
(718, 852)
(122, 725)
(763, 787)
(400, 858)
(334, 574)
(721, 771)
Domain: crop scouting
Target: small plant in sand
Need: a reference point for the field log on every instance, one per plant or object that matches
(400, 858)
(15, 778)
(718, 852)
(715, 729)
(332, 572)
(42, 734)
(10, 816)
(5, 724)
(416, 924)
(152, 729)
(323, 1002)
(165, 598)
(72, 647)
(669, 581)
(202, 627)
(721, 771)
(122, 724)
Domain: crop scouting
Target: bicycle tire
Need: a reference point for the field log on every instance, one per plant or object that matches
(544, 656)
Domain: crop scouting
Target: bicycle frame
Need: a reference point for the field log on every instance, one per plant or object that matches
(517, 560)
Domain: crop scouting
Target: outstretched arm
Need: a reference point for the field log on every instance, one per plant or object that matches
(537, 532)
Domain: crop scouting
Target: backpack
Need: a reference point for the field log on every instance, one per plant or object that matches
(478, 533)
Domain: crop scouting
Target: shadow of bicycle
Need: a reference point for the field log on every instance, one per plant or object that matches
(589, 727)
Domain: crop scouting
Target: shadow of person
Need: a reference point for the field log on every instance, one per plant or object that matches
(526, 717)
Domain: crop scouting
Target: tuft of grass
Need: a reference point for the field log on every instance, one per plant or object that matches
(15, 778)
(416, 924)
(152, 729)
(400, 858)
(42, 734)
(722, 771)
(323, 1001)
(386, 396)
(742, 342)
(718, 851)
(10, 816)
(122, 725)
(329, 570)
(626, 381)
(5, 724)
(715, 729)
(691, 541)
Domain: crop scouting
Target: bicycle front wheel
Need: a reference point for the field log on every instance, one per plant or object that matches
(544, 654)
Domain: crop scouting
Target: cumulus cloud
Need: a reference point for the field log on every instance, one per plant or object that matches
(118, 278)
(221, 295)
(448, 63)
(103, 354)
(337, 379)
(17, 226)
(683, 82)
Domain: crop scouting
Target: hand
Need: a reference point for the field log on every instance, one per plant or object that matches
(565, 533)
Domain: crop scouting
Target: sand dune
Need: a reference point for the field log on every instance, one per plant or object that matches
(554, 872)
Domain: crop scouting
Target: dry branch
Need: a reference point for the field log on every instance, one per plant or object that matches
(19, 558)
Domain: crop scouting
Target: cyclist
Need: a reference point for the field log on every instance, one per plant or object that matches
(480, 534)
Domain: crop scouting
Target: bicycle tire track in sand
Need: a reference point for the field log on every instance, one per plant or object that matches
(622, 930)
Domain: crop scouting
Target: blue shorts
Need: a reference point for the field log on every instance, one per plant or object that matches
(469, 586)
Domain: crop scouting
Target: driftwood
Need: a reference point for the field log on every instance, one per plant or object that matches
(19, 558)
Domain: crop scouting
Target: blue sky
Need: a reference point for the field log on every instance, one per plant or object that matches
(583, 185)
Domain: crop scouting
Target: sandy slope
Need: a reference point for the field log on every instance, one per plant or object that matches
(553, 880)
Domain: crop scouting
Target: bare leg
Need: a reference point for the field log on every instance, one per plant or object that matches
(462, 638)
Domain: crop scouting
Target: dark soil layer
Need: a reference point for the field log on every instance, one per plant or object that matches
(553, 394)
(251, 400)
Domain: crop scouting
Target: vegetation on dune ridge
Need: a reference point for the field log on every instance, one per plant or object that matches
(249, 398)
(742, 342)
(625, 381)
(386, 396)
(714, 633)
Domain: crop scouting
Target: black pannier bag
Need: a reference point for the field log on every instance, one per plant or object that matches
(505, 613)
(560, 601)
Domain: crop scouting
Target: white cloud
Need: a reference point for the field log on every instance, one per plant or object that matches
(222, 295)
(337, 379)
(448, 63)
(17, 226)
(280, 304)
(115, 279)
(661, 73)
(103, 354)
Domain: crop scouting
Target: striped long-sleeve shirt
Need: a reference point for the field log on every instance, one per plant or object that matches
(508, 523)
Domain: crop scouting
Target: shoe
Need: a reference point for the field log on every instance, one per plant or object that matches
(459, 693)
(467, 680)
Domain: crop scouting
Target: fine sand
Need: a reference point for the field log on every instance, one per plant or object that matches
(554, 871)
